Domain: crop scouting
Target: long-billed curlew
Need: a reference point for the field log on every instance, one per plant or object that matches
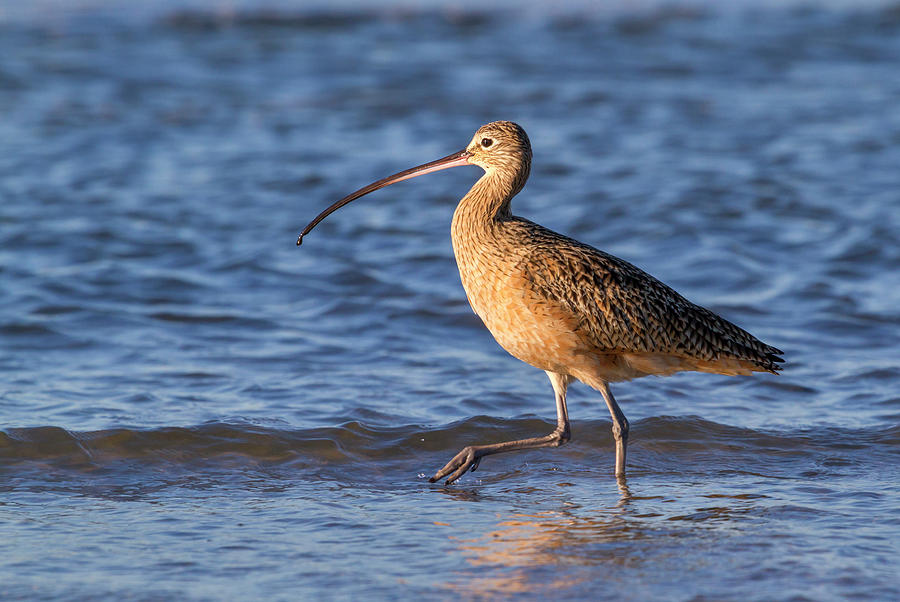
(563, 306)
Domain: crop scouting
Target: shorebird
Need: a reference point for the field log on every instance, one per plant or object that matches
(567, 308)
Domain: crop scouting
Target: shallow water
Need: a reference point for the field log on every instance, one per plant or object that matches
(192, 407)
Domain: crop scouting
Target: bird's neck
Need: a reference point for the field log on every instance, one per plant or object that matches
(487, 203)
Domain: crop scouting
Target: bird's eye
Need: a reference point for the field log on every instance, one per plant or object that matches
(486, 142)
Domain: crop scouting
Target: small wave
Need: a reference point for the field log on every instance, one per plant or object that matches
(658, 444)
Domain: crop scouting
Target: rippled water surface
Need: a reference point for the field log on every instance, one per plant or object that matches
(193, 408)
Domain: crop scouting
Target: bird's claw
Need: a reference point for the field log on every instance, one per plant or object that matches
(465, 460)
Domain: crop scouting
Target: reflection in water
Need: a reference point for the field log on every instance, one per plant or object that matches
(563, 550)
(521, 544)
(622, 484)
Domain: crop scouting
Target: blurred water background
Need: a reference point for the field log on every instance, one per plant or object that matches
(193, 408)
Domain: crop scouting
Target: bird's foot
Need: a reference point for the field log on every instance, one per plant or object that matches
(465, 460)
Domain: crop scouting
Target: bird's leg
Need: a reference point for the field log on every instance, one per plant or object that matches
(619, 428)
(470, 456)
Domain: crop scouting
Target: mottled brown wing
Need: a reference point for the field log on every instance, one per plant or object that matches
(622, 309)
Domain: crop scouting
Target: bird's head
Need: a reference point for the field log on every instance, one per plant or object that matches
(499, 144)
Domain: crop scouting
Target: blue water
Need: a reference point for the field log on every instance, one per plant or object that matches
(193, 408)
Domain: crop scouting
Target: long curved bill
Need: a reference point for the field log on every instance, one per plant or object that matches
(454, 160)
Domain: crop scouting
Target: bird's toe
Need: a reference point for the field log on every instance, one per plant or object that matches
(462, 462)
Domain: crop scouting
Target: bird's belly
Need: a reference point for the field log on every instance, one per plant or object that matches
(528, 327)
(541, 333)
